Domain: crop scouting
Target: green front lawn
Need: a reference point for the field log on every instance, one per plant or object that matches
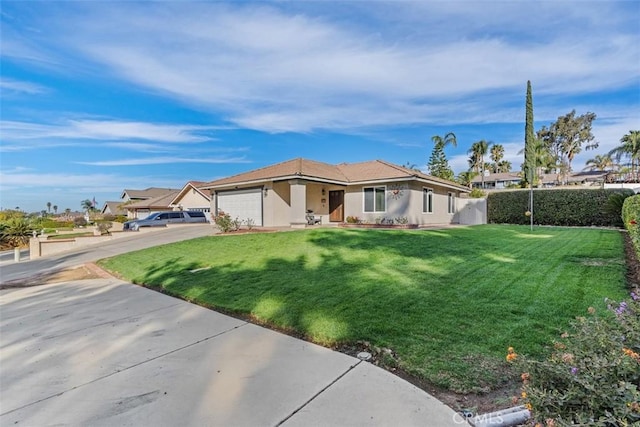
(447, 302)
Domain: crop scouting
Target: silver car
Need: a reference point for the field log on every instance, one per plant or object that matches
(161, 219)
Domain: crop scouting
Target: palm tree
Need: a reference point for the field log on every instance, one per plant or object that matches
(16, 233)
(87, 205)
(49, 207)
(411, 166)
(496, 155)
(449, 139)
(465, 178)
(630, 148)
(438, 165)
(599, 163)
(503, 166)
(55, 209)
(477, 151)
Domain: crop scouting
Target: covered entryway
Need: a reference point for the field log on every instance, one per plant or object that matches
(242, 204)
(336, 206)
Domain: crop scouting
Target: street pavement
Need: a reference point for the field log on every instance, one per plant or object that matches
(137, 240)
(103, 352)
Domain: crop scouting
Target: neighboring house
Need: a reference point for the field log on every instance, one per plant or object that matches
(149, 193)
(192, 198)
(144, 208)
(113, 208)
(497, 181)
(141, 203)
(281, 194)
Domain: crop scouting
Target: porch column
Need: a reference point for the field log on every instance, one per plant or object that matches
(298, 191)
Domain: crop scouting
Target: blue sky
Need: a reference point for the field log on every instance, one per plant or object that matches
(102, 96)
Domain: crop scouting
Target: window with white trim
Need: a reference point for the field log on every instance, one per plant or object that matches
(451, 203)
(375, 199)
(427, 200)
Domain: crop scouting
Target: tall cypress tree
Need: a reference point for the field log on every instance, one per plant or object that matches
(529, 169)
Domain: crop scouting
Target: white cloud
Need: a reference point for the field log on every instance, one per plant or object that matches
(17, 86)
(107, 130)
(272, 69)
(166, 160)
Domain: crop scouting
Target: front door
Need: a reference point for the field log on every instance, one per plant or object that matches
(336, 206)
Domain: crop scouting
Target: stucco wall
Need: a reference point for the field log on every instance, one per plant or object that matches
(403, 200)
(192, 200)
(275, 206)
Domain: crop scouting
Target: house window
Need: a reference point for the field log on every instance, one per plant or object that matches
(374, 199)
(427, 200)
(451, 203)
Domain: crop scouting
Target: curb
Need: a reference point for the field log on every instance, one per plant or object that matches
(504, 418)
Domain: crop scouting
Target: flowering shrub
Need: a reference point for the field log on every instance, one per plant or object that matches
(592, 376)
(225, 223)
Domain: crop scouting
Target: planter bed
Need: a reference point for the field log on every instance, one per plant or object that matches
(394, 226)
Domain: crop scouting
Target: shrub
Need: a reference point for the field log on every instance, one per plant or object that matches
(104, 227)
(120, 219)
(560, 207)
(477, 193)
(592, 376)
(79, 221)
(15, 232)
(225, 223)
(353, 220)
(631, 218)
(250, 223)
(401, 220)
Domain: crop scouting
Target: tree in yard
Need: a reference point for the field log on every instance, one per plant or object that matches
(630, 148)
(465, 178)
(496, 155)
(87, 205)
(570, 133)
(599, 163)
(49, 207)
(477, 152)
(438, 165)
(503, 166)
(15, 233)
(528, 171)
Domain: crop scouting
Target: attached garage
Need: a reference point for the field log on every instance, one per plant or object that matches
(243, 204)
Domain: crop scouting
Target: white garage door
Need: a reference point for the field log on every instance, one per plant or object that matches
(242, 204)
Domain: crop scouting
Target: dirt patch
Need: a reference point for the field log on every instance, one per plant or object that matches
(82, 272)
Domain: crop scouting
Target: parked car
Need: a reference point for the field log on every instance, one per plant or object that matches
(161, 219)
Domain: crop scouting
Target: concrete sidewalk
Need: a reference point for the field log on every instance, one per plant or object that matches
(104, 352)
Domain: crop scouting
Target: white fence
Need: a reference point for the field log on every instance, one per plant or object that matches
(472, 211)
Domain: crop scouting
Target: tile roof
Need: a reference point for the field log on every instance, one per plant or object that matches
(147, 193)
(346, 173)
(155, 202)
(196, 185)
(502, 176)
(115, 207)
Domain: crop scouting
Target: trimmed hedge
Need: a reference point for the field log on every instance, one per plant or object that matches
(631, 218)
(560, 207)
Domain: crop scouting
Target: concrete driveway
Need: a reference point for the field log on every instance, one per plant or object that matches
(13, 271)
(104, 352)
